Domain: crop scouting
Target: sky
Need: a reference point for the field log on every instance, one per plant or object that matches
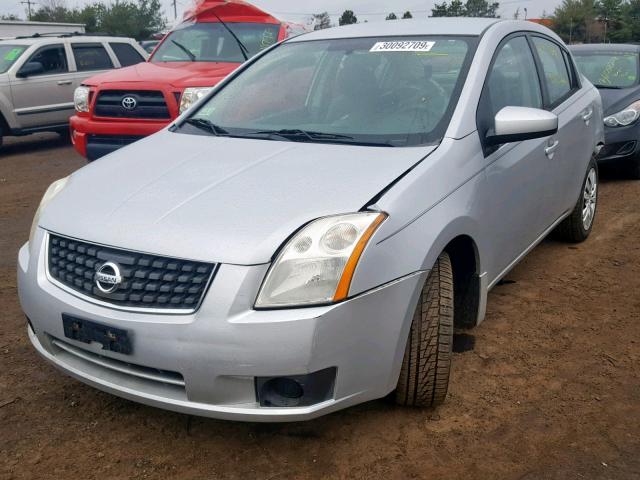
(299, 11)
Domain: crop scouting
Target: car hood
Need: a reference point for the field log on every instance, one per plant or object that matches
(217, 199)
(615, 100)
(176, 74)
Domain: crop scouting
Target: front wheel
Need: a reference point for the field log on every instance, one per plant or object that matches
(424, 377)
(577, 227)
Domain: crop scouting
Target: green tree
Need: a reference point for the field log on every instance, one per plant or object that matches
(611, 16)
(322, 21)
(130, 18)
(472, 8)
(576, 21)
(407, 15)
(348, 18)
(392, 16)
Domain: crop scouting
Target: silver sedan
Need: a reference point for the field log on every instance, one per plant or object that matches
(307, 236)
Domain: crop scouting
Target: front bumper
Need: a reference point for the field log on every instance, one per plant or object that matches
(621, 143)
(207, 363)
(95, 138)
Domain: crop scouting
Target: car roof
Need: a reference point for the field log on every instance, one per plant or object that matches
(430, 26)
(605, 47)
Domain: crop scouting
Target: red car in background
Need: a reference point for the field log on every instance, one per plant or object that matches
(117, 108)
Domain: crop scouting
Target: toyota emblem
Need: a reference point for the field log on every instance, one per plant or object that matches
(108, 277)
(129, 103)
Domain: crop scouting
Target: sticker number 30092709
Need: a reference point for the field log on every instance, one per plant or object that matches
(410, 46)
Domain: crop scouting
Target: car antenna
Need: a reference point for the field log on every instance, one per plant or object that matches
(243, 49)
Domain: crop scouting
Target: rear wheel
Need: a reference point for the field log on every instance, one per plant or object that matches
(424, 377)
(577, 226)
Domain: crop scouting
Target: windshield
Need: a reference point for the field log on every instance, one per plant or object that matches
(212, 42)
(609, 69)
(9, 54)
(392, 92)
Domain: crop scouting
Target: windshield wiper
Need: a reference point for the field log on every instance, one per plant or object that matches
(243, 49)
(297, 133)
(609, 87)
(185, 50)
(206, 125)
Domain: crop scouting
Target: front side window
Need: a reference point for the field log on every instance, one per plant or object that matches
(555, 71)
(52, 58)
(127, 55)
(212, 42)
(394, 92)
(9, 54)
(513, 80)
(91, 56)
(609, 69)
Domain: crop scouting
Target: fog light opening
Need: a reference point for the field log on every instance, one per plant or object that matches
(282, 392)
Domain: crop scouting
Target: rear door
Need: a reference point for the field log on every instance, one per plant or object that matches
(45, 98)
(576, 113)
(90, 58)
(518, 179)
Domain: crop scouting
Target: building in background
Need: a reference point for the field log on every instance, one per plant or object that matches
(12, 28)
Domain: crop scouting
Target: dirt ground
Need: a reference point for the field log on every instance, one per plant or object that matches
(550, 391)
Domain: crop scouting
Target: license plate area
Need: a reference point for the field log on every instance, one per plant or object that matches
(85, 331)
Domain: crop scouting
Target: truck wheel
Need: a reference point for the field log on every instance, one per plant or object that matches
(577, 226)
(424, 377)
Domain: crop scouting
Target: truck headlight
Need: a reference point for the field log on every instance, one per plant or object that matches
(54, 189)
(625, 117)
(191, 96)
(81, 99)
(317, 265)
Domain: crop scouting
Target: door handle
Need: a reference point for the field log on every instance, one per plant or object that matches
(587, 115)
(64, 82)
(551, 149)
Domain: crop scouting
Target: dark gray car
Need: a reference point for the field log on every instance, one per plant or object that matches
(615, 71)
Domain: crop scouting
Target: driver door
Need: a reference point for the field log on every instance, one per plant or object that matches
(46, 97)
(519, 179)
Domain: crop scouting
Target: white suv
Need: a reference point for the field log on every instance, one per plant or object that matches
(39, 74)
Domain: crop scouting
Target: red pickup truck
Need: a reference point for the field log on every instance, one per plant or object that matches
(117, 108)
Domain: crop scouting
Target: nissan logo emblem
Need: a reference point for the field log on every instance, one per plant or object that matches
(129, 103)
(108, 277)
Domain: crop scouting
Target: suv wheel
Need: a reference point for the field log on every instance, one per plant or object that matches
(577, 226)
(424, 377)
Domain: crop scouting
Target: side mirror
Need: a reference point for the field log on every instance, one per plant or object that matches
(515, 124)
(29, 69)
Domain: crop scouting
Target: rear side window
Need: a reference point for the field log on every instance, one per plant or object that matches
(556, 75)
(91, 56)
(127, 55)
(52, 58)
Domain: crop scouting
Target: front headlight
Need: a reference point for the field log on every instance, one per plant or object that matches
(54, 189)
(191, 96)
(81, 99)
(624, 118)
(316, 266)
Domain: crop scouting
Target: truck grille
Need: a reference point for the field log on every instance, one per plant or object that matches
(146, 104)
(146, 281)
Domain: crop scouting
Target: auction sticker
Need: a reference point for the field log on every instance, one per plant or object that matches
(410, 46)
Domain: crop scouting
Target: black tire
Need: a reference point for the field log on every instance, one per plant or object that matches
(424, 377)
(573, 229)
(634, 168)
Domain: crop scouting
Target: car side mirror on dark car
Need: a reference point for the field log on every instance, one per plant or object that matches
(515, 124)
(29, 69)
